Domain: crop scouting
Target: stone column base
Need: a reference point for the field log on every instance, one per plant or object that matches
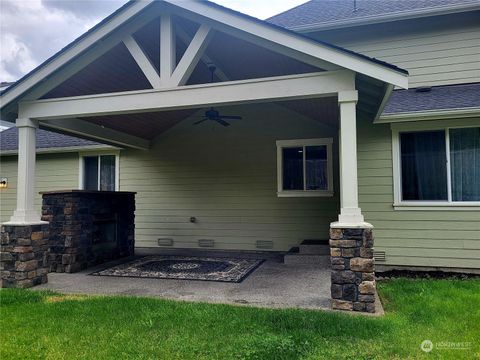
(353, 269)
(23, 255)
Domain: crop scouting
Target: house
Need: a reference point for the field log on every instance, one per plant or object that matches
(242, 134)
(59, 160)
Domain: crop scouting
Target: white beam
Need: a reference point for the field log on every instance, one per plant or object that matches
(191, 56)
(142, 61)
(207, 60)
(350, 213)
(97, 132)
(25, 213)
(167, 49)
(194, 96)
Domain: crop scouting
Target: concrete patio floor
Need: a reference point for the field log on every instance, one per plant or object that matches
(273, 285)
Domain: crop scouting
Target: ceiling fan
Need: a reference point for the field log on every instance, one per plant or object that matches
(214, 115)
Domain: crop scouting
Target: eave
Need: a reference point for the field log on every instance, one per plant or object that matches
(429, 115)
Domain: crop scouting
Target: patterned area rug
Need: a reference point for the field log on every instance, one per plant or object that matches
(185, 268)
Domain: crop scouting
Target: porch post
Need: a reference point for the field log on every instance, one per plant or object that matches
(350, 213)
(25, 213)
(353, 285)
(24, 239)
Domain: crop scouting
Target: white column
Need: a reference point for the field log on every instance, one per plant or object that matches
(350, 213)
(25, 213)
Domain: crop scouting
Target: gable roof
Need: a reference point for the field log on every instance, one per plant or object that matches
(336, 55)
(329, 14)
(45, 140)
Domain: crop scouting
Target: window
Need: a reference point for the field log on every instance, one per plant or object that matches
(99, 172)
(437, 166)
(305, 167)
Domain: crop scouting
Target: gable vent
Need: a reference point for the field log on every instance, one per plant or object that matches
(165, 242)
(379, 256)
(206, 243)
(264, 244)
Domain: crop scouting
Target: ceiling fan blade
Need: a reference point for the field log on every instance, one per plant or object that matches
(221, 122)
(230, 117)
(201, 121)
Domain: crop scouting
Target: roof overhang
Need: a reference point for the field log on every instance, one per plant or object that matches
(473, 112)
(395, 16)
(66, 149)
(227, 20)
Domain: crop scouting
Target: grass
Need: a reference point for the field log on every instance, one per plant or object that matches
(46, 325)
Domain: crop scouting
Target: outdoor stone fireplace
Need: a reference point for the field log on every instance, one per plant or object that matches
(88, 227)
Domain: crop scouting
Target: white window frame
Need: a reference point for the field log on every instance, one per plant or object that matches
(282, 144)
(81, 172)
(445, 125)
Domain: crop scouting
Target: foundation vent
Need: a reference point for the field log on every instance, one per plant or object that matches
(165, 242)
(379, 256)
(264, 244)
(206, 243)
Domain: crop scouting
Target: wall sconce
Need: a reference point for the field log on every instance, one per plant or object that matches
(3, 183)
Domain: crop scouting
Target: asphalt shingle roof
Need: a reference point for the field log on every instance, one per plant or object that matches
(438, 98)
(321, 11)
(45, 140)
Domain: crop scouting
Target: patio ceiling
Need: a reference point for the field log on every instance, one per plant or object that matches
(150, 125)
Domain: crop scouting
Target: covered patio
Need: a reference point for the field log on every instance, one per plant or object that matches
(140, 80)
(273, 285)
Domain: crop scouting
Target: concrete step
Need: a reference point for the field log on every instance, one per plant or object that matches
(314, 247)
(305, 259)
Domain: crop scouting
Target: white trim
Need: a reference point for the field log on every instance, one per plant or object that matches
(287, 42)
(400, 204)
(386, 97)
(167, 49)
(193, 96)
(97, 132)
(304, 143)
(192, 56)
(142, 61)
(429, 115)
(304, 193)
(396, 16)
(67, 149)
(81, 167)
(435, 125)
(207, 60)
(441, 205)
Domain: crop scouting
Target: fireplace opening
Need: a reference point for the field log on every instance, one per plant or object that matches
(105, 230)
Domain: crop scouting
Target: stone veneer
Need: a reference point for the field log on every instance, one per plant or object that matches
(24, 255)
(353, 278)
(75, 217)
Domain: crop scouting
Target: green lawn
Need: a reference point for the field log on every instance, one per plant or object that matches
(45, 325)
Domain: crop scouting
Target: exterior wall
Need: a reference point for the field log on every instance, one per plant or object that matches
(436, 238)
(53, 172)
(436, 51)
(227, 179)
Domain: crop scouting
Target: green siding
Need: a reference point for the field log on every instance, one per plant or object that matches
(53, 172)
(442, 238)
(439, 51)
(227, 178)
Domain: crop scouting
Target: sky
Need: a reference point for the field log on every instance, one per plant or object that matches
(33, 30)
